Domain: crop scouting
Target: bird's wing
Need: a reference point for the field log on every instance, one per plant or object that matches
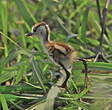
(67, 50)
(61, 49)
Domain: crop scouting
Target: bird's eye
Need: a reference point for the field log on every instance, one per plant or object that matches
(34, 29)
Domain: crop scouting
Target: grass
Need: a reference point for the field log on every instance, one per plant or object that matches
(23, 62)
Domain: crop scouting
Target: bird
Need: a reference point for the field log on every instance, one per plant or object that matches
(61, 54)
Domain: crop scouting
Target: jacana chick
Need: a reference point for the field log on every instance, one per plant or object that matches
(61, 54)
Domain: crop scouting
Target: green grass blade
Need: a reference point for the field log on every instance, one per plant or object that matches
(84, 25)
(24, 12)
(37, 73)
(95, 66)
(4, 21)
(100, 66)
(7, 75)
(6, 37)
(3, 102)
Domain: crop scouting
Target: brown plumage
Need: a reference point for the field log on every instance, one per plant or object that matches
(61, 54)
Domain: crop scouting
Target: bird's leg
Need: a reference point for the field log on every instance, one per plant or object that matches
(86, 72)
(64, 85)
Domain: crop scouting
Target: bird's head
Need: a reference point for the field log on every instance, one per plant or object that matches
(42, 30)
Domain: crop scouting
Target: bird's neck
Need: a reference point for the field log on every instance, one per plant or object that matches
(45, 40)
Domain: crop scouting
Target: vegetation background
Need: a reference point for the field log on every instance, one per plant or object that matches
(24, 64)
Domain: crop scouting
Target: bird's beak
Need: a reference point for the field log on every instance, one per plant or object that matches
(30, 34)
